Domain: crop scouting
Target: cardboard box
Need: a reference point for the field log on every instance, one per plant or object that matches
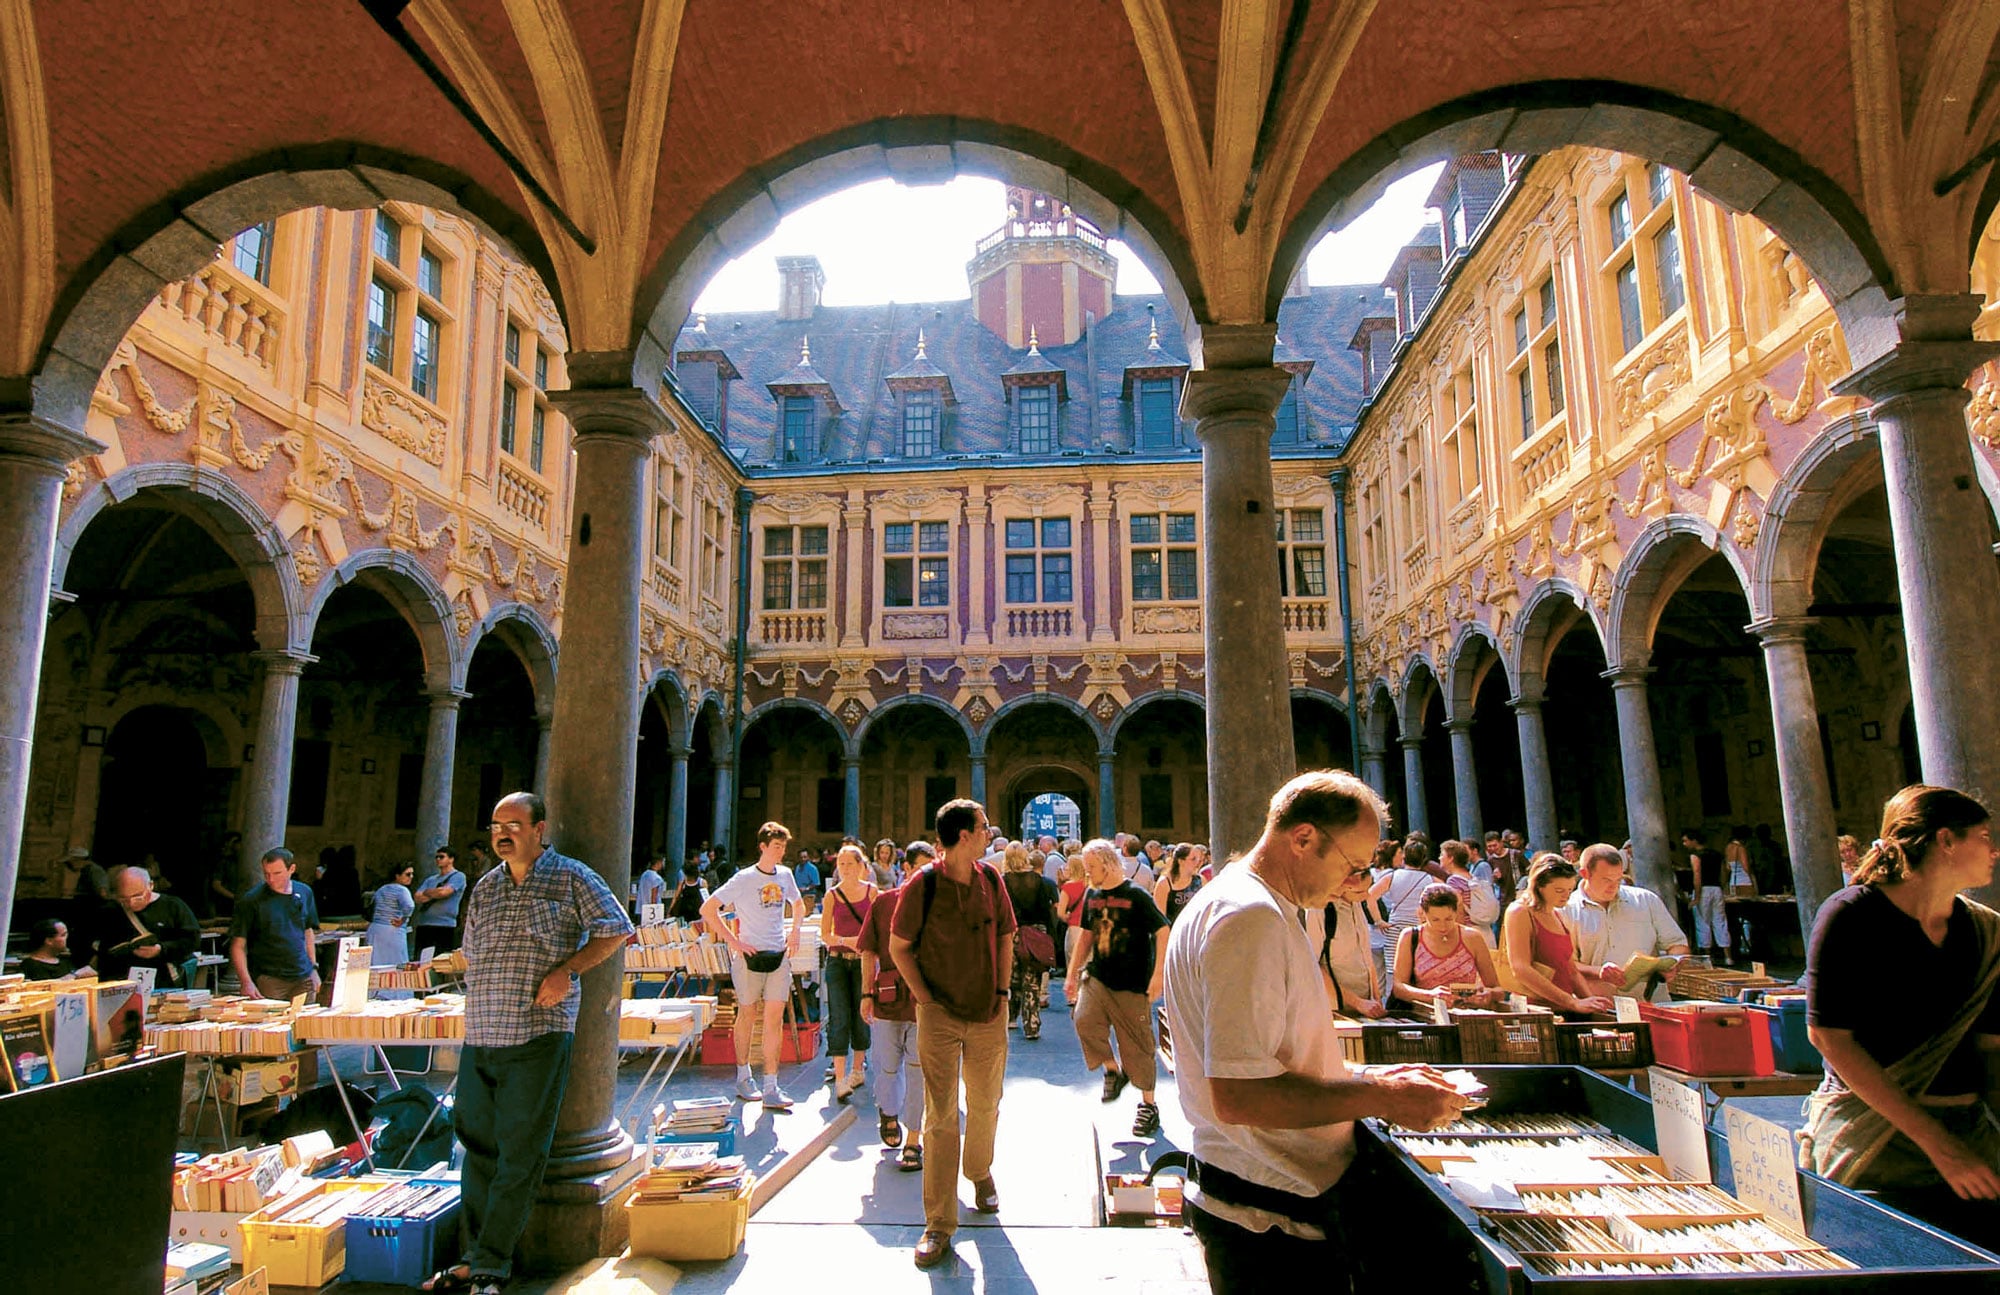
(250, 1080)
(690, 1230)
(214, 1229)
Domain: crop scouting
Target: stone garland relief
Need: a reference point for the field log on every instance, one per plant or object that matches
(402, 421)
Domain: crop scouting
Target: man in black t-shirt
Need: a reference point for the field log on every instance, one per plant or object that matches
(1125, 953)
(1711, 920)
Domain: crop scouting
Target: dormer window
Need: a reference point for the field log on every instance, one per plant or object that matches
(920, 424)
(1037, 411)
(1154, 416)
(800, 432)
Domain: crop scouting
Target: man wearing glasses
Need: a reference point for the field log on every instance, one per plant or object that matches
(531, 927)
(437, 905)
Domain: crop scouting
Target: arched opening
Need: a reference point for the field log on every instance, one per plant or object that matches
(1041, 747)
(1054, 813)
(1581, 722)
(1319, 733)
(1496, 753)
(1387, 742)
(914, 758)
(498, 739)
(1161, 772)
(790, 772)
(151, 795)
(708, 738)
(662, 730)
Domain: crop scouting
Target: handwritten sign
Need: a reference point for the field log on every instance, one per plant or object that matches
(1628, 1009)
(1764, 1158)
(1441, 1010)
(350, 975)
(1757, 970)
(652, 914)
(145, 978)
(69, 1039)
(256, 1283)
(1681, 1128)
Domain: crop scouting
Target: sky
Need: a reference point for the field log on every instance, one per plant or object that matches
(885, 241)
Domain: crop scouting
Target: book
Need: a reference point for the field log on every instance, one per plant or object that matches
(1640, 966)
(196, 1259)
(25, 1041)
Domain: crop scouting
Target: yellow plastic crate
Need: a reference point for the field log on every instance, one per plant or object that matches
(299, 1254)
(690, 1230)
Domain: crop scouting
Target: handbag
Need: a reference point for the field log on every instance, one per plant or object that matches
(763, 962)
(1036, 947)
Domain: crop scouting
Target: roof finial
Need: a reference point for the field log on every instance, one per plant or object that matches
(1152, 330)
(701, 322)
(1034, 342)
(805, 351)
(920, 344)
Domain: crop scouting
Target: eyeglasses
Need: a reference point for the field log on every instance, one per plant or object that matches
(517, 828)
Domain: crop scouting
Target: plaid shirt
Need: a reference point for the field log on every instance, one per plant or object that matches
(516, 934)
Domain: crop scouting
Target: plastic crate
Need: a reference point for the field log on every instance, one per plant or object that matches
(724, 1138)
(796, 1043)
(1596, 1046)
(299, 1254)
(1436, 1045)
(1506, 1038)
(1792, 1049)
(401, 1252)
(1708, 1039)
(689, 1230)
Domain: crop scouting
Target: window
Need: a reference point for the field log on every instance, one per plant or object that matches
(1156, 414)
(430, 275)
(1411, 518)
(252, 253)
(920, 424)
(795, 568)
(714, 547)
(514, 344)
(312, 761)
(1164, 558)
(424, 357)
(670, 519)
(1036, 408)
(1645, 267)
(1156, 801)
(1301, 553)
(541, 369)
(1039, 547)
(518, 388)
(537, 425)
(409, 790)
(799, 430)
(911, 575)
(830, 810)
(1536, 368)
(1374, 530)
(510, 415)
(388, 238)
(1459, 415)
(381, 325)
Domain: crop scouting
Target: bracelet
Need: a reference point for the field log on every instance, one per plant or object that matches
(870, 995)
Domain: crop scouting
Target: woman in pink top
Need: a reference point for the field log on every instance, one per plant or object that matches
(1541, 946)
(1069, 901)
(842, 916)
(1434, 959)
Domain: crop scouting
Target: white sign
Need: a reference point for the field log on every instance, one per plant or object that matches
(1681, 1127)
(1628, 1009)
(1764, 1157)
(70, 1038)
(1441, 1010)
(652, 914)
(1757, 970)
(145, 978)
(350, 975)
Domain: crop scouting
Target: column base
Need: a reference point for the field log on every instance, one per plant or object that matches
(577, 1220)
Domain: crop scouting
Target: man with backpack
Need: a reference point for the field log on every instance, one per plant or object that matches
(952, 941)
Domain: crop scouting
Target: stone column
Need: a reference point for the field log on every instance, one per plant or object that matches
(440, 763)
(1375, 769)
(1100, 562)
(1418, 812)
(979, 780)
(1249, 710)
(544, 721)
(850, 800)
(853, 573)
(1810, 828)
(1538, 787)
(1645, 802)
(677, 806)
(1465, 779)
(594, 742)
(978, 520)
(1941, 521)
(725, 797)
(267, 794)
(1107, 798)
(34, 457)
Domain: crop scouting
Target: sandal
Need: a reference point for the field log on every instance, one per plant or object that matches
(911, 1160)
(449, 1279)
(892, 1131)
(489, 1286)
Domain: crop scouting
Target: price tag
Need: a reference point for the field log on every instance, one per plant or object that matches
(1764, 1158)
(70, 1038)
(1517, 1002)
(145, 978)
(1440, 1011)
(1757, 969)
(1628, 1009)
(1681, 1126)
(257, 1283)
(350, 975)
(652, 914)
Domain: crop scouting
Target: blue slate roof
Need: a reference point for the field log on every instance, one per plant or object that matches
(857, 349)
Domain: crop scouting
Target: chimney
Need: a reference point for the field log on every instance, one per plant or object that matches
(800, 281)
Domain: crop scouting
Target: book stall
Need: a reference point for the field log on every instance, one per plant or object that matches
(445, 971)
(669, 1028)
(1559, 1176)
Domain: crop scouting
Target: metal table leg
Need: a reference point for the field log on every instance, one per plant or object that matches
(353, 1122)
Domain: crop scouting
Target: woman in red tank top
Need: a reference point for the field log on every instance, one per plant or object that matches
(1541, 946)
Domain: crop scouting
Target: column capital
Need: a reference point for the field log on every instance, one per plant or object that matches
(1522, 703)
(28, 437)
(1410, 743)
(1774, 630)
(679, 751)
(283, 660)
(445, 698)
(611, 412)
(545, 720)
(1934, 351)
(1458, 725)
(1225, 399)
(850, 759)
(1628, 676)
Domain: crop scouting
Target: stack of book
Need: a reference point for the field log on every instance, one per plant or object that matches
(234, 1182)
(216, 1038)
(664, 1019)
(196, 1261)
(179, 1006)
(693, 1115)
(441, 1016)
(690, 1171)
(410, 1201)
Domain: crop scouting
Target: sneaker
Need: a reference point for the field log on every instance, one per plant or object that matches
(933, 1250)
(1114, 1084)
(747, 1090)
(775, 1099)
(1148, 1121)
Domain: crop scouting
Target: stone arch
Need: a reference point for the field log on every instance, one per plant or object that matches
(233, 519)
(1811, 491)
(674, 714)
(1659, 559)
(1551, 608)
(708, 713)
(927, 148)
(1414, 693)
(765, 709)
(1334, 700)
(1474, 651)
(416, 595)
(1728, 158)
(1337, 740)
(1151, 699)
(956, 716)
(1379, 709)
(524, 632)
(172, 238)
(1097, 730)
(221, 732)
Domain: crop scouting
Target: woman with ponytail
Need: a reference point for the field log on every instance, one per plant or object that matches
(1908, 1107)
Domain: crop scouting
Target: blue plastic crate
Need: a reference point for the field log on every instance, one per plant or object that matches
(725, 1140)
(400, 1252)
(1791, 1048)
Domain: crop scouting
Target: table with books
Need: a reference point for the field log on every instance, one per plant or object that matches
(668, 1028)
(430, 1023)
(244, 1047)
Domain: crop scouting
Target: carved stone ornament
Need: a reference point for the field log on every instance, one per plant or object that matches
(916, 625)
(1166, 620)
(1653, 378)
(1106, 706)
(852, 712)
(978, 710)
(916, 499)
(402, 421)
(1983, 414)
(1748, 524)
(306, 560)
(793, 503)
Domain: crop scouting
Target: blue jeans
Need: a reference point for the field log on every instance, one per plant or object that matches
(899, 1075)
(505, 1112)
(845, 1030)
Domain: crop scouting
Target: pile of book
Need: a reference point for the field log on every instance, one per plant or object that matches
(178, 1006)
(318, 1208)
(690, 1171)
(664, 1019)
(443, 968)
(218, 1038)
(196, 1261)
(677, 946)
(693, 1115)
(233, 1182)
(441, 1016)
(410, 1201)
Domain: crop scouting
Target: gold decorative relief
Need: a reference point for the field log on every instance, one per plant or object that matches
(402, 421)
(1166, 620)
(1653, 378)
(1730, 426)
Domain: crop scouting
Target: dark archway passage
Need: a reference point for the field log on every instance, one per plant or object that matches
(1582, 725)
(1496, 753)
(153, 795)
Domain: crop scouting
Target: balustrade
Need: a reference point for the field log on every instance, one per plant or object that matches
(786, 629)
(1040, 622)
(1305, 615)
(231, 309)
(521, 495)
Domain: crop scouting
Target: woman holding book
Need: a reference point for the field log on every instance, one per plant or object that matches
(1910, 1107)
(1437, 960)
(843, 917)
(389, 918)
(1541, 944)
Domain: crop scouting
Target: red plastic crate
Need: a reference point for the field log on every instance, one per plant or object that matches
(1709, 1038)
(797, 1043)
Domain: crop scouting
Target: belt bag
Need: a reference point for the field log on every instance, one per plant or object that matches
(1313, 1211)
(762, 962)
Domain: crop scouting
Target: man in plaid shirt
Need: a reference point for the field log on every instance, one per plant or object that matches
(530, 928)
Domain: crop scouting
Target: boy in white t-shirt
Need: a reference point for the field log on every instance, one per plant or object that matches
(759, 897)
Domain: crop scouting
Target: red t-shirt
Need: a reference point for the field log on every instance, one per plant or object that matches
(892, 999)
(1073, 892)
(958, 941)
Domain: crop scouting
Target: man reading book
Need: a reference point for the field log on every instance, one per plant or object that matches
(1616, 921)
(143, 928)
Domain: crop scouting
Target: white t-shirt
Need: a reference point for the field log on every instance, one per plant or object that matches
(1349, 956)
(759, 899)
(650, 885)
(1141, 876)
(1245, 1000)
(1405, 893)
(1052, 867)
